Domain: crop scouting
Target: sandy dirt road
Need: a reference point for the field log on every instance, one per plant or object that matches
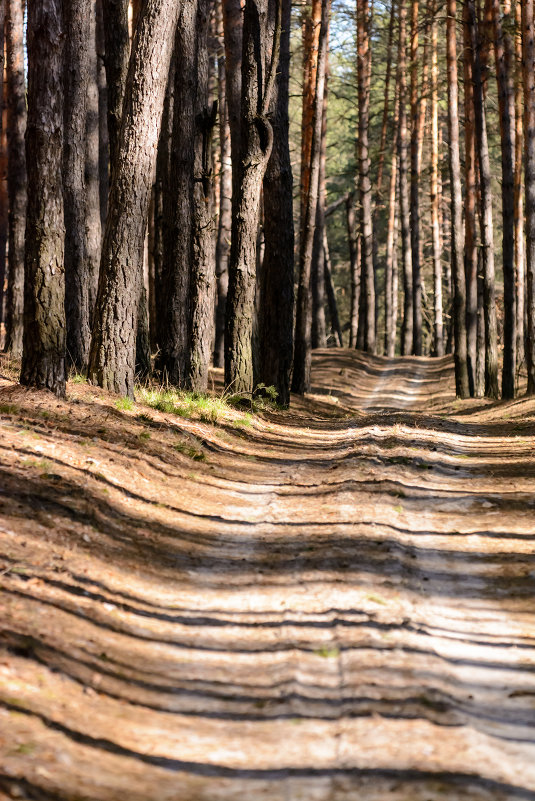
(331, 604)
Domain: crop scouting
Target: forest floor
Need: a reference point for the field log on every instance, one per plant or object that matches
(327, 604)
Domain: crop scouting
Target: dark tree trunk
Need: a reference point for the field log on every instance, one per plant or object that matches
(519, 194)
(438, 325)
(367, 284)
(143, 365)
(233, 35)
(112, 357)
(277, 284)
(408, 299)
(43, 356)
(319, 334)
(503, 50)
(528, 51)
(202, 287)
(391, 243)
(457, 233)
(470, 245)
(331, 296)
(77, 14)
(256, 145)
(103, 136)
(117, 50)
(93, 226)
(302, 351)
(487, 244)
(415, 185)
(4, 224)
(354, 269)
(16, 174)
(225, 201)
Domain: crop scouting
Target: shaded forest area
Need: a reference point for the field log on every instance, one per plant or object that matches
(236, 183)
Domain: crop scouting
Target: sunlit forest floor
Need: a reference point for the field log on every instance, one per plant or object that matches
(327, 604)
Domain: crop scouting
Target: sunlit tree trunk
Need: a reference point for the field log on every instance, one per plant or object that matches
(470, 188)
(519, 191)
(113, 345)
(391, 238)
(528, 51)
(367, 284)
(408, 297)
(503, 51)
(457, 237)
(438, 324)
(415, 184)
(319, 335)
(43, 355)
(354, 269)
(103, 134)
(93, 226)
(16, 175)
(487, 244)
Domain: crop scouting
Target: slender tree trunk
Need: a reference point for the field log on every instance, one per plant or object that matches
(202, 290)
(438, 326)
(225, 201)
(391, 243)
(470, 245)
(43, 355)
(16, 174)
(103, 136)
(319, 335)
(302, 352)
(311, 35)
(457, 237)
(503, 50)
(365, 188)
(4, 222)
(112, 357)
(384, 122)
(408, 302)
(415, 185)
(93, 227)
(519, 193)
(481, 356)
(528, 51)
(77, 15)
(256, 145)
(233, 35)
(331, 296)
(117, 50)
(354, 269)
(487, 244)
(277, 285)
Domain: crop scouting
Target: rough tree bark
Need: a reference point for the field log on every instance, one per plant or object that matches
(256, 145)
(353, 241)
(519, 193)
(331, 296)
(4, 224)
(277, 288)
(487, 244)
(528, 52)
(438, 325)
(390, 327)
(470, 244)
(43, 356)
(225, 200)
(457, 233)
(103, 135)
(319, 333)
(93, 225)
(408, 297)
(16, 174)
(367, 283)
(117, 50)
(112, 356)
(415, 184)
(503, 51)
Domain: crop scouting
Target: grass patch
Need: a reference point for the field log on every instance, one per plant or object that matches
(207, 408)
(8, 408)
(78, 378)
(124, 404)
(189, 450)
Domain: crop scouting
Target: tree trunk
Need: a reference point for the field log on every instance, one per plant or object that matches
(311, 34)
(331, 296)
(77, 14)
(202, 286)
(528, 51)
(415, 185)
(225, 201)
(93, 227)
(319, 334)
(519, 193)
(4, 223)
(103, 135)
(470, 245)
(391, 243)
(16, 174)
(384, 122)
(408, 301)
(367, 284)
(117, 50)
(302, 352)
(438, 325)
(457, 237)
(354, 270)
(487, 244)
(503, 50)
(112, 357)
(277, 286)
(43, 356)
(256, 145)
